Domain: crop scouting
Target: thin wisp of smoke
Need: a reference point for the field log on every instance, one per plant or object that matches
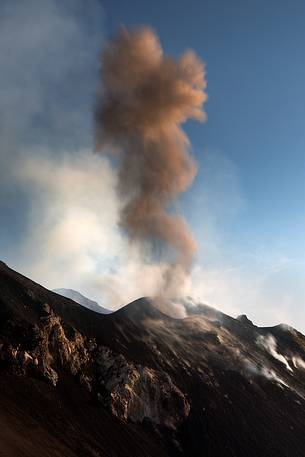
(144, 99)
(269, 343)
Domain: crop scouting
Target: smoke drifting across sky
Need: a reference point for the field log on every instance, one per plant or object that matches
(144, 99)
(59, 208)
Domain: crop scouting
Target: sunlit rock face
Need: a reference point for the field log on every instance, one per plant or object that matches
(50, 347)
(132, 392)
(139, 382)
(135, 392)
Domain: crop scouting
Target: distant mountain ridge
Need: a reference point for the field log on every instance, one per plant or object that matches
(82, 300)
(138, 383)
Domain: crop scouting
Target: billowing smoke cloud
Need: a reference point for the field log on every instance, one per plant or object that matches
(144, 99)
(59, 208)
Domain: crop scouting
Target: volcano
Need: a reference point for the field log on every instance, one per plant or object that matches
(138, 382)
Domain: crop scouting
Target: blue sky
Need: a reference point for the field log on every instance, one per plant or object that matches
(246, 207)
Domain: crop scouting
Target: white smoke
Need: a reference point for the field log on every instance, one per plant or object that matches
(269, 343)
(298, 362)
(264, 371)
(42, 105)
(73, 239)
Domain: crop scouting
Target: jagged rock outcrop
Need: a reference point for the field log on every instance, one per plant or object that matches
(135, 392)
(243, 318)
(138, 382)
(131, 392)
(44, 349)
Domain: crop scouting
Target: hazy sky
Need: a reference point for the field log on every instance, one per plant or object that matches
(247, 204)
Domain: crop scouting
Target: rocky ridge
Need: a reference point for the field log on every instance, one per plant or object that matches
(204, 385)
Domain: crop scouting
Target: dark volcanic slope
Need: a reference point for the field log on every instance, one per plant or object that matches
(139, 383)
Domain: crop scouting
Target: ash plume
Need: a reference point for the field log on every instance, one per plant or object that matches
(143, 100)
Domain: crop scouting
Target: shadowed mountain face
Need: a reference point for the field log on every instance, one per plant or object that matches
(139, 383)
